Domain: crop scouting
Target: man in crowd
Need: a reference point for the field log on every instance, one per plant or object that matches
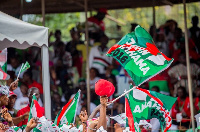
(26, 109)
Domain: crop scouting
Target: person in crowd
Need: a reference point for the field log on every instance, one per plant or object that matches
(11, 102)
(27, 79)
(15, 65)
(98, 58)
(24, 100)
(17, 91)
(169, 29)
(181, 109)
(5, 116)
(71, 47)
(26, 109)
(56, 104)
(194, 32)
(57, 36)
(93, 77)
(161, 43)
(98, 19)
(178, 73)
(197, 100)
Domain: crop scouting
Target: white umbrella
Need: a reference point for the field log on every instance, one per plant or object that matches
(18, 34)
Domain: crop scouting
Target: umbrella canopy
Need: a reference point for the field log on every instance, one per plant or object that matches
(18, 34)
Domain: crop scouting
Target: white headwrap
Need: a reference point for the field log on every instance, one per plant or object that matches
(4, 90)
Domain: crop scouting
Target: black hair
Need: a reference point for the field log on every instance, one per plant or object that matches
(58, 31)
(29, 73)
(184, 91)
(96, 70)
(157, 88)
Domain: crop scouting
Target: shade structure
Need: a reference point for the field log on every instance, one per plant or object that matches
(18, 34)
(12, 7)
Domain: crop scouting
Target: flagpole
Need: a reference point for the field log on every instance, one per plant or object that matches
(188, 67)
(109, 103)
(87, 53)
(20, 71)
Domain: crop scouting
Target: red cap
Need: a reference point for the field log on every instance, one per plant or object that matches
(11, 93)
(103, 10)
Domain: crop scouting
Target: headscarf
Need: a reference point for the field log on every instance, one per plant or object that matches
(4, 90)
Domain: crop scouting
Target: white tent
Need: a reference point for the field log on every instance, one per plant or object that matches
(18, 34)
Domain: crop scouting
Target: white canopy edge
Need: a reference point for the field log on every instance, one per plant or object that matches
(19, 34)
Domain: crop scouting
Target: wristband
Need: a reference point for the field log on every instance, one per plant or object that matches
(92, 129)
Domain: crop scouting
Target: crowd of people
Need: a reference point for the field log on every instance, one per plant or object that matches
(67, 66)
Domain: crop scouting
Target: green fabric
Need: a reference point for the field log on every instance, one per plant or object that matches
(137, 53)
(162, 84)
(147, 106)
(24, 67)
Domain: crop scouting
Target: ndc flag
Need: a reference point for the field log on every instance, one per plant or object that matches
(139, 56)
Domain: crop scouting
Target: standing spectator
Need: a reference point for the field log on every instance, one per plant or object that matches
(71, 47)
(56, 104)
(195, 32)
(24, 100)
(57, 36)
(98, 58)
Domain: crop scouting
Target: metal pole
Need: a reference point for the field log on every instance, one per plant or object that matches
(43, 12)
(21, 9)
(154, 21)
(188, 67)
(45, 71)
(87, 61)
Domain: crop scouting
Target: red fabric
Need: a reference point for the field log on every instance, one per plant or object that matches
(196, 103)
(96, 21)
(23, 111)
(37, 85)
(186, 108)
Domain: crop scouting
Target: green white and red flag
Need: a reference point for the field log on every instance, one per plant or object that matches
(68, 113)
(143, 104)
(139, 56)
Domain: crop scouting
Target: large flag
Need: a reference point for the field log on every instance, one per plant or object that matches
(143, 104)
(139, 56)
(68, 113)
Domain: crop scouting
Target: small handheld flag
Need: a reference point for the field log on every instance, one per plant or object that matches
(23, 68)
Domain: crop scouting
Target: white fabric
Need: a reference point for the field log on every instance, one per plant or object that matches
(21, 103)
(92, 82)
(155, 125)
(18, 34)
(94, 52)
(18, 92)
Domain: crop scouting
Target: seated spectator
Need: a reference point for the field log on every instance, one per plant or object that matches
(24, 100)
(93, 77)
(15, 66)
(197, 100)
(26, 109)
(178, 73)
(56, 104)
(27, 79)
(182, 106)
